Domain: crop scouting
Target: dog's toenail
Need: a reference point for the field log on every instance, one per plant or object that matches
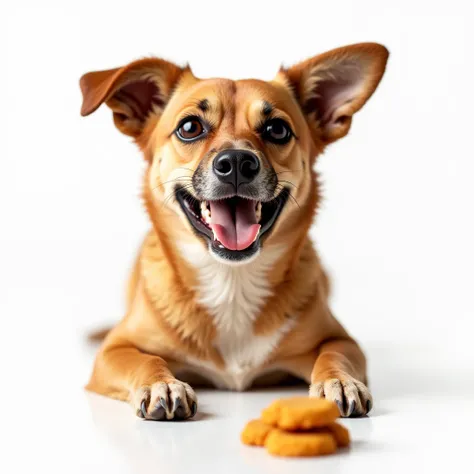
(164, 403)
(177, 403)
(368, 406)
(339, 405)
(158, 413)
(178, 409)
(143, 409)
(194, 408)
(350, 411)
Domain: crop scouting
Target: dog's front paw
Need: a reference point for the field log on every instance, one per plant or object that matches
(351, 396)
(162, 401)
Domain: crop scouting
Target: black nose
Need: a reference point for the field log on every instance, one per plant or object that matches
(236, 167)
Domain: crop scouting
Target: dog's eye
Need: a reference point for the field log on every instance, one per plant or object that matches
(277, 131)
(190, 129)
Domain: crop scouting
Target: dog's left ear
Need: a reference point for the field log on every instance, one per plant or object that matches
(134, 92)
(333, 86)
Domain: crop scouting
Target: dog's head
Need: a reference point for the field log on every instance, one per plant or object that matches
(234, 159)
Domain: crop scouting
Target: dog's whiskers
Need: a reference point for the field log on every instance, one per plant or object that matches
(287, 192)
(287, 182)
(289, 171)
(181, 178)
(172, 194)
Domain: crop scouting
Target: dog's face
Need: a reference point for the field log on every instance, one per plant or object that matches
(234, 158)
(232, 153)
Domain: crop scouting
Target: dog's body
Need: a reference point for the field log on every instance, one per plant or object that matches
(227, 285)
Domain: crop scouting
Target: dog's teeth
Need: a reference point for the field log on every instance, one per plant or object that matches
(205, 212)
(207, 218)
(258, 211)
(258, 233)
(214, 234)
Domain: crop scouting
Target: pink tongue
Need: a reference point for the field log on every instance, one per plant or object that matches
(235, 232)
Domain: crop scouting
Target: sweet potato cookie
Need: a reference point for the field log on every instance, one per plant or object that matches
(255, 433)
(340, 433)
(283, 443)
(300, 413)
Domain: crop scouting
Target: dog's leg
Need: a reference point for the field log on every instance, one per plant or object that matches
(339, 374)
(124, 372)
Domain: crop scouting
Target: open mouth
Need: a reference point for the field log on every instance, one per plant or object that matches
(234, 226)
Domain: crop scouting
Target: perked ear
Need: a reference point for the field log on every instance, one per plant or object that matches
(133, 92)
(333, 86)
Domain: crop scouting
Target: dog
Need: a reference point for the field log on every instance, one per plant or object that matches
(227, 286)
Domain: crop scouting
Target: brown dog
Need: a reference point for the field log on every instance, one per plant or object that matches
(227, 285)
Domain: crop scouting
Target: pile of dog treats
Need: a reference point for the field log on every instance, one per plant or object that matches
(298, 426)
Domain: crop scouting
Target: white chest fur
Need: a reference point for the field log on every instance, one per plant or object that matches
(234, 296)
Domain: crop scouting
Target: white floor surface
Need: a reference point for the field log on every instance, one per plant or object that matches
(421, 422)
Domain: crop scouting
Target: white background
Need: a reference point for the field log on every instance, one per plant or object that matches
(395, 229)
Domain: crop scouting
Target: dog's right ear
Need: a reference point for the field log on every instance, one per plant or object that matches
(134, 92)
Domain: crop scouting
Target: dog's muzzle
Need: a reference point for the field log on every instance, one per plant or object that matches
(234, 202)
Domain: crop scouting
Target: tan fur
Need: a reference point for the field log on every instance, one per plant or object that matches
(165, 326)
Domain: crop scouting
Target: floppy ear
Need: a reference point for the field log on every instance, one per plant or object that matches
(333, 86)
(134, 92)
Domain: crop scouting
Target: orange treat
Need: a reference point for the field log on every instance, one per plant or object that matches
(300, 413)
(283, 443)
(340, 433)
(255, 433)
